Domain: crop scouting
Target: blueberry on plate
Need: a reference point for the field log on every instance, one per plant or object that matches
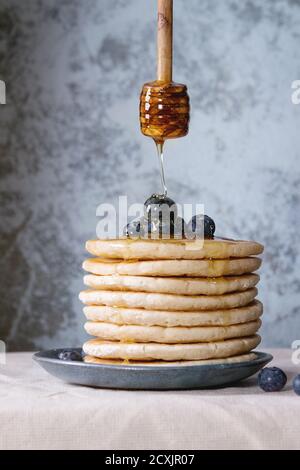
(272, 379)
(296, 384)
(159, 207)
(201, 226)
(133, 229)
(70, 355)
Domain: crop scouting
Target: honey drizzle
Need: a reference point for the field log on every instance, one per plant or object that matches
(160, 154)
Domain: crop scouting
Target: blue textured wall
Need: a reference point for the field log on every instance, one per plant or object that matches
(70, 139)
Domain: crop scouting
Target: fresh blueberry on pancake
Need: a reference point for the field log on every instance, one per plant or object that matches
(159, 207)
(166, 229)
(202, 226)
(133, 229)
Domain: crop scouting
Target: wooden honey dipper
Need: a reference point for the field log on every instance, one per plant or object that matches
(164, 105)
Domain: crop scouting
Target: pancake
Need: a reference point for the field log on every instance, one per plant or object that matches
(174, 335)
(217, 248)
(130, 316)
(170, 352)
(193, 268)
(167, 285)
(204, 362)
(167, 301)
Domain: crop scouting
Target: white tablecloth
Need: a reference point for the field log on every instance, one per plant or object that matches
(38, 411)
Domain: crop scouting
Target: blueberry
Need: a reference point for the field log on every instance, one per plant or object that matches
(201, 225)
(145, 227)
(158, 199)
(272, 379)
(151, 228)
(158, 229)
(70, 355)
(133, 229)
(159, 207)
(165, 229)
(296, 384)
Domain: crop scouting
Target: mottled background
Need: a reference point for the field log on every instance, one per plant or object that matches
(70, 139)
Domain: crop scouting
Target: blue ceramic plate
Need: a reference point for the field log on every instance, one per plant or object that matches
(135, 377)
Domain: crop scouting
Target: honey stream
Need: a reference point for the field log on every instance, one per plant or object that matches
(160, 154)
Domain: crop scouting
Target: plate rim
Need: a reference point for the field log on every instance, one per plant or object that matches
(41, 357)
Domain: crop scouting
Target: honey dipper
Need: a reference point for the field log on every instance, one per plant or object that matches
(164, 105)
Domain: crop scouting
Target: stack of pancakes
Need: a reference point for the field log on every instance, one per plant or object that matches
(171, 300)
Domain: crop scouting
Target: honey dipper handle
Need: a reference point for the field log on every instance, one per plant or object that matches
(165, 40)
